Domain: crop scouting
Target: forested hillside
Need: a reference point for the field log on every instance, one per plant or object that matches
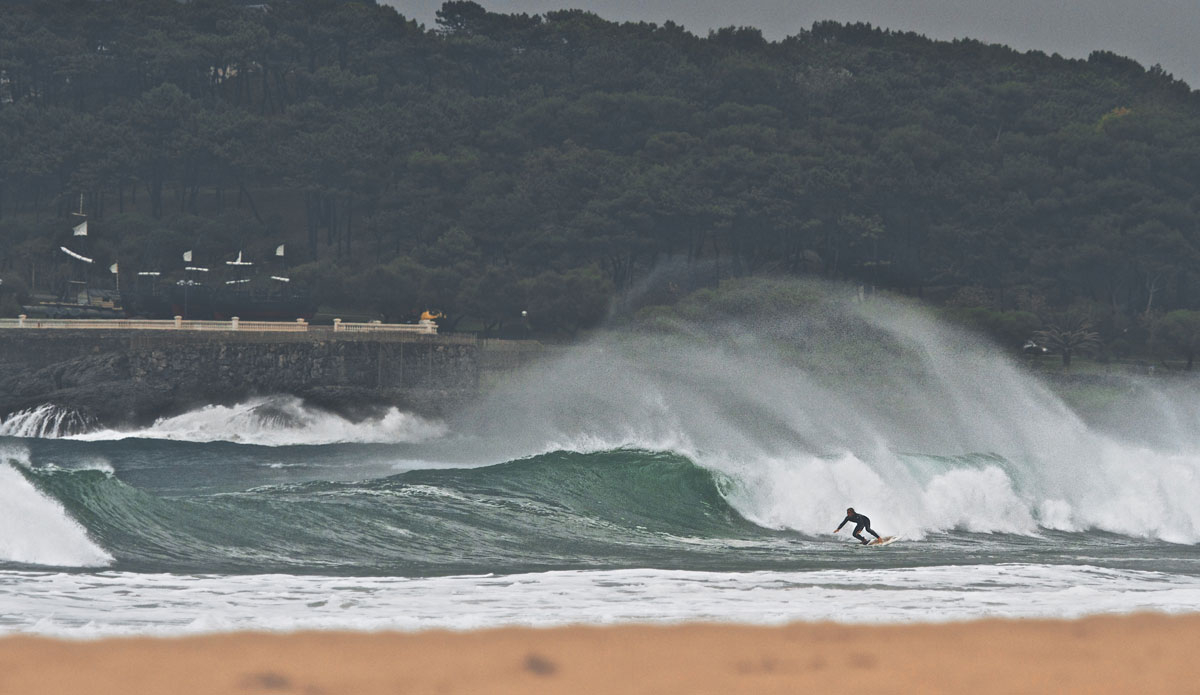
(499, 163)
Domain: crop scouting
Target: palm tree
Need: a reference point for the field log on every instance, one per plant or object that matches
(1068, 336)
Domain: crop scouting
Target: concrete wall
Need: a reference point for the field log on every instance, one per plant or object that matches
(134, 376)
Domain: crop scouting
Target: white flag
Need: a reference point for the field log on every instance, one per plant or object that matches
(187, 256)
(81, 229)
(113, 268)
(279, 250)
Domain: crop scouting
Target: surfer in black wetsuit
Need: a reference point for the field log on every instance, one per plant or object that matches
(860, 522)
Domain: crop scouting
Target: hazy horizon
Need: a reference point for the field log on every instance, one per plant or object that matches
(1152, 32)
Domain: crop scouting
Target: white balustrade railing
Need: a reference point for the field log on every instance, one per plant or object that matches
(234, 324)
(426, 327)
(178, 324)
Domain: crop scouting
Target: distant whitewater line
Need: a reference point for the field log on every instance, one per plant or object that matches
(279, 421)
(271, 421)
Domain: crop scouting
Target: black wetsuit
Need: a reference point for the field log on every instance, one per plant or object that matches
(860, 522)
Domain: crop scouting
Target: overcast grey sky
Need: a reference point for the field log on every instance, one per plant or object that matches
(1150, 31)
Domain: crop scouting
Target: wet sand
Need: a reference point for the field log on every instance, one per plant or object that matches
(1143, 653)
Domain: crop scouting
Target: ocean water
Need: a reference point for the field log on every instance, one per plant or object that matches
(634, 479)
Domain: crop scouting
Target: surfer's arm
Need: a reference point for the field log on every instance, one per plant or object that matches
(844, 522)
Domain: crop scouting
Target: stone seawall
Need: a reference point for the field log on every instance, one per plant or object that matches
(131, 377)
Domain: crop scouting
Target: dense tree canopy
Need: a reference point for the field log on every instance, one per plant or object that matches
(499, 163)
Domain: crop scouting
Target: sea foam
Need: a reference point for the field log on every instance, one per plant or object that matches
(160, 604)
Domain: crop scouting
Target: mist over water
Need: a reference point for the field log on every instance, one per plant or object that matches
(874, 405)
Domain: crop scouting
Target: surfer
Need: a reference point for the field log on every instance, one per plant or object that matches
(860, 522)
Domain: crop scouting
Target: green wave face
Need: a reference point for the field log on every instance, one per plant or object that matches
(559, 510)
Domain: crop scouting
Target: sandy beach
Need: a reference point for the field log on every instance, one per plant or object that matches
(1143, 653)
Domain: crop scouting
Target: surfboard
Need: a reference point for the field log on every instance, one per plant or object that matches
(886, 540)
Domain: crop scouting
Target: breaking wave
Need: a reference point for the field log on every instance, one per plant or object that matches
(625, 508)
(45, 421)
(271, 421)
(35, 529)
(874, 405)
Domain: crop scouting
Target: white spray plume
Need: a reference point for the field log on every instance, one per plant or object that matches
(838, 403)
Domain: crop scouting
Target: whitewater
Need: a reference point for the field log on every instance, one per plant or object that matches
(692, 472)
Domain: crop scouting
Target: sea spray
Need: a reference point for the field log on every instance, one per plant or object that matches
(279, 421)
(46, 420)
(836, 403)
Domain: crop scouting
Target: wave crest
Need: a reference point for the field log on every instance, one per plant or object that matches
(35, 529)
(279, 421)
